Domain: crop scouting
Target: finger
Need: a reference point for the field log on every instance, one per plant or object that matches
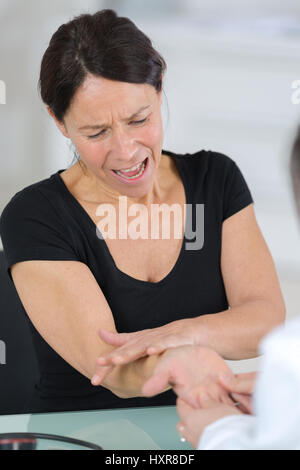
(245, 402)
(156, 384)
(114, 338)
(189, 395)
(168, 342)
(243, 409)
(181, 431)
(206, 401)
(207, 393)
(227, 399)
(100, 374)
(156, 349)
(124, 355)
(219, 394)
(183, 409)
(242, 383)
(184, 433)
(180, 427)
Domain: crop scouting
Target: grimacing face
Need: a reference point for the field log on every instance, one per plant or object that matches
(115, 126)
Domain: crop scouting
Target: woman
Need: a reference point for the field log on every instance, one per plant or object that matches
(101, 81)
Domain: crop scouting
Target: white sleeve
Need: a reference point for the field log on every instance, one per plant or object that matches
(275, 424)
(229, 433)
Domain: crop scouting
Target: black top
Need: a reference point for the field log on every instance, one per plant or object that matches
(44, 221)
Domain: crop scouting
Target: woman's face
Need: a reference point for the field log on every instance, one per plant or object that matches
(116, 126)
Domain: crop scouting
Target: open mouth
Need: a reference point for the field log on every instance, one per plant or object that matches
(133, 174)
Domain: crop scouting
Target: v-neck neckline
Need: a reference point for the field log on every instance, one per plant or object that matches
(94, 227)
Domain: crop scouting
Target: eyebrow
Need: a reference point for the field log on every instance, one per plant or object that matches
(99, 126)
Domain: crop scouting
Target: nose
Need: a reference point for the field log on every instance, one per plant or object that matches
(123, 148)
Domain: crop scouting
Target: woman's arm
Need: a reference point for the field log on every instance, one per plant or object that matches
(252, 289)
(253, 293)
(67, 307)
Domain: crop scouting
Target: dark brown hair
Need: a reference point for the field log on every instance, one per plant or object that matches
(101, 44)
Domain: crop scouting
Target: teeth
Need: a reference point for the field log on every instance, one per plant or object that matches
(135, 176)
(132, 169)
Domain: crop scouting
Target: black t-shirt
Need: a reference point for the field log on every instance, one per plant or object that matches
(44, 221)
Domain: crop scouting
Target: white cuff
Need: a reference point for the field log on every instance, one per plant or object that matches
(231, 432)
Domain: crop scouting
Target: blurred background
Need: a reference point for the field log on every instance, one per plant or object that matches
(228, 88)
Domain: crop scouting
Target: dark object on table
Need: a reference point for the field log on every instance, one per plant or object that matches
(7, 442)
(28, 441)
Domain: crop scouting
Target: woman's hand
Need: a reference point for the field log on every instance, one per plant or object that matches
(132, 346)
(240, 387)
(194, 421)
(192, 371)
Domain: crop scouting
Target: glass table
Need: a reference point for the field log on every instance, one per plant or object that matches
(152, 428)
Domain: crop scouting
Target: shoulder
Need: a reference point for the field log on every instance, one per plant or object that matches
(32, 226)
(207, 159)
(210, 161)
(34, 201)
(205, 165)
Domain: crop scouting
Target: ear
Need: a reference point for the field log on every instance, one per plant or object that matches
(61, 126)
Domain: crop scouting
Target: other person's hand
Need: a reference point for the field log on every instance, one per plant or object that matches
(240, 387)
(194, 421)
(132, 346)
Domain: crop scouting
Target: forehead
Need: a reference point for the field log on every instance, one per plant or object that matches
(97, 97)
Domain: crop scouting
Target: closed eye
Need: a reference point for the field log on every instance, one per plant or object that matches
(103, 131)
(138, 122)
(97, 135)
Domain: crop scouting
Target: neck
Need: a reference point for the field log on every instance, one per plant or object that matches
(95, 190)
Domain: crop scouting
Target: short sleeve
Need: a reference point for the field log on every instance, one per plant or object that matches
(236, 194)
(31, 229)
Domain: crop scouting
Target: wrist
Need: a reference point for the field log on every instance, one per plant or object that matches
(143, 369)
(198, 331)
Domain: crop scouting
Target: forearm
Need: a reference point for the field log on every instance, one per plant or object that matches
(236, 333)
(125, 381)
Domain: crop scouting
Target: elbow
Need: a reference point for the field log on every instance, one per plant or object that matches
(282, 318)
(277, 315)
(273, 315)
